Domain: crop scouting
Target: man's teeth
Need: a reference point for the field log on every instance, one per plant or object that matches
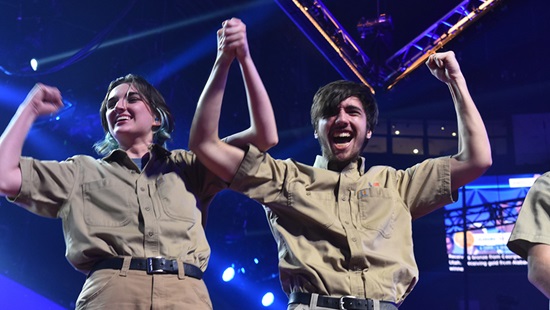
(342, 135)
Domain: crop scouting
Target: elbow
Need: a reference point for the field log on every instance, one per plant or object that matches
(201, 137)
(3, 190)
(203, 147)
(7, 190)
(485, 160)
(266, 143)
(533, 277)
(485, 163)
(482, 159)
(539, 281)
(196, 141)
(477, 164)
(271, 142)
(195, 145)
(10, 183)
(264, 146)
(481, 166)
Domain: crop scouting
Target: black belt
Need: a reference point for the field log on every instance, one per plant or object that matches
(344, 302)
(153, 265)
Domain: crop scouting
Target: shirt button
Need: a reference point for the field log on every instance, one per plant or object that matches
(353, 239)
(142, 189)
(343, 198)
(151, 234)
(346, 222)
(147, 209)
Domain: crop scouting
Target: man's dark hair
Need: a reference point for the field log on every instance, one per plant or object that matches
(328, 97)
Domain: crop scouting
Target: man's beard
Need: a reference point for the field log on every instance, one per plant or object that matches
(333, 157)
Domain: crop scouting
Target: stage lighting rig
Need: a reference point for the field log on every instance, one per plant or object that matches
(382, 24)
(353, 63)
(328, 35)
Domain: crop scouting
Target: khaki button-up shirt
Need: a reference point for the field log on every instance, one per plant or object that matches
(345, 233)
(533, 223)
(111, 208)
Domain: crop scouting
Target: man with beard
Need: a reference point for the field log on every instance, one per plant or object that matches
(344, 230)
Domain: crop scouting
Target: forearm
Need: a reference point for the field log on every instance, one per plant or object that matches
(204, 129)
(474, 150)
(263, 128)
(219, 157)
(261, 112)
(11, 145)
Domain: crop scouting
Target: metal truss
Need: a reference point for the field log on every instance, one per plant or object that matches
(324, 30)
(318, 24)
(487, 215)
(415, 53)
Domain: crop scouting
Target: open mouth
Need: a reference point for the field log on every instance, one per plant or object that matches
(342, 138)
(122, 118)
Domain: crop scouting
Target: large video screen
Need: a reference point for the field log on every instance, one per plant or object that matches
(486, 210)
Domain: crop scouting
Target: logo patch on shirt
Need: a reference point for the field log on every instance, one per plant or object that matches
(364, 192)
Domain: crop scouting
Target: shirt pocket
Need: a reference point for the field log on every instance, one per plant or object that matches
(378, 210)
(176, 200)
(105, 204)
(314, 207)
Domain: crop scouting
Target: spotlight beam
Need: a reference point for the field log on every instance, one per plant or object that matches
(155, 31)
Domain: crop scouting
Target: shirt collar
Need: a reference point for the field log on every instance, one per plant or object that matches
(359, 164)
(120, 155)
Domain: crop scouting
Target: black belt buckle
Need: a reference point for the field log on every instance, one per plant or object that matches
(156, 265)
(355, 303)
(341, 304)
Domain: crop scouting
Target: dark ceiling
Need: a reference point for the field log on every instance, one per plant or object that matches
(82, 45)
(172, 43)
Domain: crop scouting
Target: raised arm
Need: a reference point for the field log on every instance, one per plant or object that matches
(222, 158)
(474, 151)
(41, 100)
(263, 128)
